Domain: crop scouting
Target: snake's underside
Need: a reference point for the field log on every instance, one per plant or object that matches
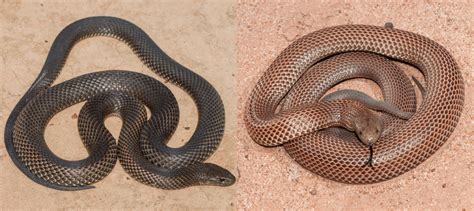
(141, 146)
(285, 109)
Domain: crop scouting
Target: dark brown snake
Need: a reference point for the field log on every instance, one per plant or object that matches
(285, 109)
(141, 147)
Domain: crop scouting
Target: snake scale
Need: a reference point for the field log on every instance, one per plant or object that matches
(141, 147)
(284, 108)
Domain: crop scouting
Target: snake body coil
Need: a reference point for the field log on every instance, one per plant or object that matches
(278, 113)
(141, 147)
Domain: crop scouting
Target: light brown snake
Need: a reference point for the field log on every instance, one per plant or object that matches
(284, 107)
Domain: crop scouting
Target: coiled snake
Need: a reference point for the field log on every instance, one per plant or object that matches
(141, 146)
(284, 108)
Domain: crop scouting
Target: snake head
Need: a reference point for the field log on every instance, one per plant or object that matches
(368, 127)
(211, 174)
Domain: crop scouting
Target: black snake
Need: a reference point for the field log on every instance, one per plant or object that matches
(141, 147)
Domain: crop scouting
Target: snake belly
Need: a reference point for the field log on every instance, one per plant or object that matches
(125, 94)
(297, 123)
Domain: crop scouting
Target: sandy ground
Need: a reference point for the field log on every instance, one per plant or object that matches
(204, 37)
(270, 179)
(199, 35)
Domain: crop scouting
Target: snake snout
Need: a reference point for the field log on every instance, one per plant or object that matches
(371, 140)
(211, 174)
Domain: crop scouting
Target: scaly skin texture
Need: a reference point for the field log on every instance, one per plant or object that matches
(368, 101)
(298, 121)
(125, 94)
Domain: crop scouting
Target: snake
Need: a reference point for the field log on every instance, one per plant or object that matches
(141, 146)
(285, 107)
